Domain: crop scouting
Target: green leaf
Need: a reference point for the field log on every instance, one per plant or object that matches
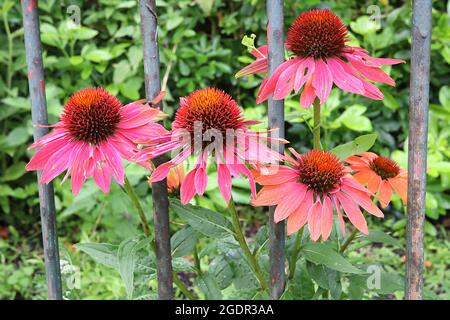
(183, 242)
(301, 286)
(206, 6)
(209, 286)
(207, 222)
(376, 236)
(84, 33)
(357, 146)
(14, 172)
(222, 272)
(174, 22)
(319, 253)
(98, 55)
(103, 253)
(126, 257)
(17, 137)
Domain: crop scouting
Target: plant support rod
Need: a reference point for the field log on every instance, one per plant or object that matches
(33, 49)
(276, 120)
(149, 30)
(417, 148)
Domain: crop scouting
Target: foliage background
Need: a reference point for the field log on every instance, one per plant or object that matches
(201, 46)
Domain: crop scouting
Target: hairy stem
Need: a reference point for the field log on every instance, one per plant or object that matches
(295, 253)
(349, 240)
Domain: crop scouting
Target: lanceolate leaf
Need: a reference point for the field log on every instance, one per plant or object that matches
(207, 222)
(103, 253)
(319, 253)
(357, 146)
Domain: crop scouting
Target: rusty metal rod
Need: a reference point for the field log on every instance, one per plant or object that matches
(33, 49)
(417, 148)
(149, 30)
(276, 120)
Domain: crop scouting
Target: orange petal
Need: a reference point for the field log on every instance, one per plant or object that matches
(400, 186)
(385, 193)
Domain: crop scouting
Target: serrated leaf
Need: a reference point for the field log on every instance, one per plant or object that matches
(319, 253)
(209, 286)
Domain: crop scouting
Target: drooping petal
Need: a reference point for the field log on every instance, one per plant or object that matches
(224, 181)
(385, 193)
(327, 218)
(78, 172)
(343, 77)
(272, 195)
(201, 180)
(353, 212)
(400, 186)
(322, 81)
(187, 190)
(363, 200)
(308, 94)
(314, 220)
(161, 171)
(339, 213)
(40, 158)
(289, 203)
(285, 82)
(299, 217)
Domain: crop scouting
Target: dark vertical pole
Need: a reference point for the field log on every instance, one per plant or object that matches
(33, 50)
(276, 120)
(417, 154)
(149, 29)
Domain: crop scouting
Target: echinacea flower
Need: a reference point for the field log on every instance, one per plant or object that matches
(210, 123)
(317, 39)
(92, 137)
(381, 175)
(309, 189)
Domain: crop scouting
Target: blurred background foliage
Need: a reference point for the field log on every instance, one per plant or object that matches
(201, 46)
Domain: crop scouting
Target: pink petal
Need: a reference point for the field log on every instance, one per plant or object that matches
(363, 200)
(201, 180)
(187, 190)
(371, 91)
(300, 76)
(298, 218)
(258, 66)
(314, 220)
(114, 161)
(285, 82)
(339, 213)
(308, 94)
(269, 86)
(343, 77)
(277, 175)
(161, 171)
(327, 218)
(224, 181)
(322, 81)
(372, 73)
(353, 213)
(40, 158)
(289, 203)
(57, 163)
(78, 172)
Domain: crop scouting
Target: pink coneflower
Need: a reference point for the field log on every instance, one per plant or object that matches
(317, 39)
(210, 123)
(381, 175)
(308, 189)
(93, 135)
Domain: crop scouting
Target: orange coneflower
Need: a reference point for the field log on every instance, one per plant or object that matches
(381, 175)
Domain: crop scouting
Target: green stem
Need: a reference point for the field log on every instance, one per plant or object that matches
(316, 129)
(239, 236)
(182, 287)
(135, 200)
(137, 205)
(349, 240)
(295, 253)
(197, 262)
